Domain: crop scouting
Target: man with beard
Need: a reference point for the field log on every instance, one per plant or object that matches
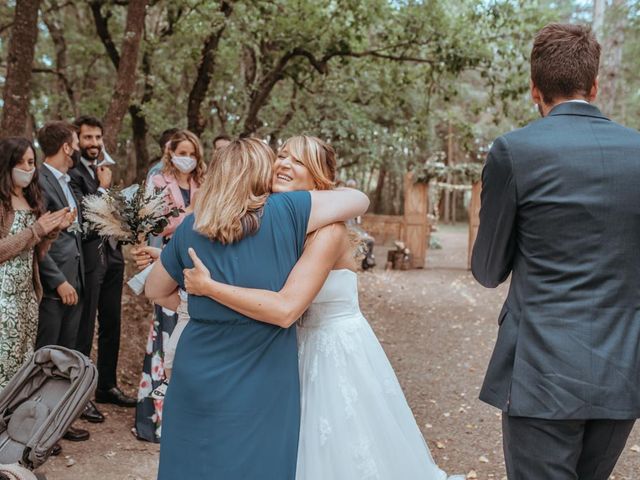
(104, 272)
(62, 268)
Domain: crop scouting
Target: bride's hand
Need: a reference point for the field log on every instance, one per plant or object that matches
(196, 279)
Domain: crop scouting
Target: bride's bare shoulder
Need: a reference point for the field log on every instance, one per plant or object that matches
(333, 233)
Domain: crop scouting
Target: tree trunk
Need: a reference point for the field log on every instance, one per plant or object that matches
(21, 51)
(377, 195)
(139, 125)
(195, 120)
(60, 44)
(599, 7)
(449, 161)
(611, 58)
(126, 78)
(259, 95)
(284, 121)
(102, 29)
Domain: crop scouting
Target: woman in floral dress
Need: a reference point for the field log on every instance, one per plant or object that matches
(25, 233)
(182, 172)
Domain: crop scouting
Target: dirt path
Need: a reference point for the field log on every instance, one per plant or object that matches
(438, 328)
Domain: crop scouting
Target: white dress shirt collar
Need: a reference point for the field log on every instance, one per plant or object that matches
(577, 100)
(58, 174)
(63, 181)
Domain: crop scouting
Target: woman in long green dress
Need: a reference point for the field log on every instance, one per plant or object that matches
(25, 232)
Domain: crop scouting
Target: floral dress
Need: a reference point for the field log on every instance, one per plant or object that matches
(18, 305)
(149, 411)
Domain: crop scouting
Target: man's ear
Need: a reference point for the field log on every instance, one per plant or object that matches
(536, 94)
(593, 93)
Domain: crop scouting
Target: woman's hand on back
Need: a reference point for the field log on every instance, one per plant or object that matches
(197, 279)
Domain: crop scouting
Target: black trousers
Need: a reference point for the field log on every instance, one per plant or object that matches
(58, 323)
(562, 449)
(103, 300)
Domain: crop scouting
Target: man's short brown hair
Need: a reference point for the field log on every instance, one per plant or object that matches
(564, 61)
(53, 135)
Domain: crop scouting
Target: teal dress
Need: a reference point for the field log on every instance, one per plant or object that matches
(232, 410)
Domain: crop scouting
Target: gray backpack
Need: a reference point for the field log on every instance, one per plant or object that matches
(41, 401)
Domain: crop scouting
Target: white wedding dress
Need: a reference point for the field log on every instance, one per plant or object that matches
(356, 423)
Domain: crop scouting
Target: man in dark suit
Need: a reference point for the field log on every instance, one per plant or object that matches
(104, 272)
(62, 268)
(560, 213)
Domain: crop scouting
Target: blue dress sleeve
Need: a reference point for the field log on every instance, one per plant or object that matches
(297, 205)
(172, 256)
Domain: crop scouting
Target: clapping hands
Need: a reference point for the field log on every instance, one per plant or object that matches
(56, 221)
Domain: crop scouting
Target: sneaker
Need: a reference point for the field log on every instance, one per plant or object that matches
(160, 392)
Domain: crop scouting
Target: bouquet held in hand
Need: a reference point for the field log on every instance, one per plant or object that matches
(129, 215)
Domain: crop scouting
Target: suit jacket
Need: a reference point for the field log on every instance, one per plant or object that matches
(561, 213)
(64, 261)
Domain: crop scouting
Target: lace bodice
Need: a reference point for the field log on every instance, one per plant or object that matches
(338, 299)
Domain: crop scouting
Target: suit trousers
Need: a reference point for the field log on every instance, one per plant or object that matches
(103, 300)
(58, 323)
(536, 448)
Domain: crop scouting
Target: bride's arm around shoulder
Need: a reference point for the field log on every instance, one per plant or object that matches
(339, 205)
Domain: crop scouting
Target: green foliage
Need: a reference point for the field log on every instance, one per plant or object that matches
(386, 81)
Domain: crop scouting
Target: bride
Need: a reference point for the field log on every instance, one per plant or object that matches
(355, 421)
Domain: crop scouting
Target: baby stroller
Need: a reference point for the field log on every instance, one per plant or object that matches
(41, 401)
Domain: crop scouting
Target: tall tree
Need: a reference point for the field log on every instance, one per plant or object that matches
(196, 122)
(599, 8)
(615, 22)
(126, 78)
(17, 88)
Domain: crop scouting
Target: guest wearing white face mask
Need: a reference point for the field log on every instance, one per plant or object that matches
(182, 173)
(25, 234)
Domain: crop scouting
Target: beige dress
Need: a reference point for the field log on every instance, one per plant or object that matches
(18, 305)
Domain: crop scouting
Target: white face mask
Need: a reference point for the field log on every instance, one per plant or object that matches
(184, 164)
(22, 178)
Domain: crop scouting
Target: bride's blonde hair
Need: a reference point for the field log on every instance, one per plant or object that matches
(318, 156)
(236, 187)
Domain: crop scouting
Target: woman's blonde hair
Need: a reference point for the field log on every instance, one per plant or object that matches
(319, 157)
(170, 148)
(230, 201)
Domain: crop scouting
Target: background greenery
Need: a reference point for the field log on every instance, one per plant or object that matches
(386, 81)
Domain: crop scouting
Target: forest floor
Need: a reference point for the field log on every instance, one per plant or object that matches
(438, 327)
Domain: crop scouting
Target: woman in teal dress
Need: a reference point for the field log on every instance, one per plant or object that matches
(232, 410)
